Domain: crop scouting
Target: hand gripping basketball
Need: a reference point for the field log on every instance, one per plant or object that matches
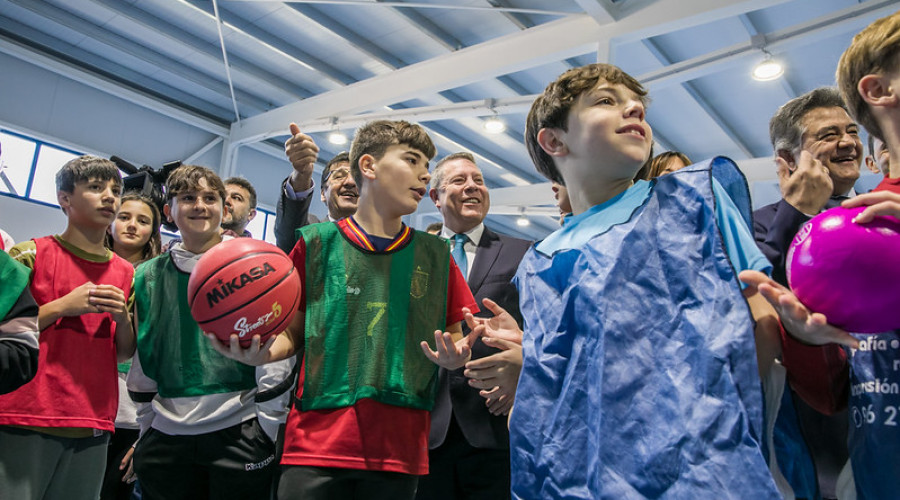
(244, 287)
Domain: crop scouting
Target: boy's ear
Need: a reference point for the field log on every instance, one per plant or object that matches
(550, 140)
(367, 166)
(64, 200)
(62, 197)
(167, 212)
(876, 91)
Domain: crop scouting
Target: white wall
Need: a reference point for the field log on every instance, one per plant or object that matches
(53, 108)
(24, 220)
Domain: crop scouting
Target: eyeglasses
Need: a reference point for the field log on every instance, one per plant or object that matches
(338, 175)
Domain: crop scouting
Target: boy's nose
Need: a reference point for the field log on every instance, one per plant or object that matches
(635, 108)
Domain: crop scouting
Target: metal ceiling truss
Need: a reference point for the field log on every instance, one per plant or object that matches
(571, 36)
(677, 73)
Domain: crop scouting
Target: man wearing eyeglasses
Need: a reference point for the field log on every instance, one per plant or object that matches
(337, 189)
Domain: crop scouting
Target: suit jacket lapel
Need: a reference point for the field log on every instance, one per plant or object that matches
(485, 255)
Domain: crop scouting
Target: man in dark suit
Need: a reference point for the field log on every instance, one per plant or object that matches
(337, 189)
(818, 153)
(469, 441)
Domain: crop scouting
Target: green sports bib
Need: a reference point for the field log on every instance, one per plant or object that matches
(366, 313)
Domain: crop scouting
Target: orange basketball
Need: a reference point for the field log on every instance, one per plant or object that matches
(246, 287)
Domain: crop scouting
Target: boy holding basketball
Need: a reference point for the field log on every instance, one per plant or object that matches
(200, 431)
(868, 76)
(374, 291)
(54, 429)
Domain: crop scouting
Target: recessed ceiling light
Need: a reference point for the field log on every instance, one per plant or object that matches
(337, 138)
(494, 125)
(768, 69)
(522, 221)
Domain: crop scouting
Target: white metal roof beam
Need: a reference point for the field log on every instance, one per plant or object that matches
(702, 102)
(506, 168)
(275, 44)
(568, 37)
(350, 36)
(111, 87)
(30, 41)
(424, 25)
(212, 51)
(420, 5)
(689, 69)
(421, 23)
(600, 10)
(200, 152)
(803, 34)
(133, 49)
(76, 73)
(665, 16)
(538, 45)
(519, 20)
(424, 114)
(785, 84)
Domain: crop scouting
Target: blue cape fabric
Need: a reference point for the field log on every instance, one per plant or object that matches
(640, 376)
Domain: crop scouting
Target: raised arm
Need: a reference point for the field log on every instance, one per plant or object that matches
(292, 213)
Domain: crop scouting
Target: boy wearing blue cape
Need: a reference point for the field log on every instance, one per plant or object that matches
(640, 369)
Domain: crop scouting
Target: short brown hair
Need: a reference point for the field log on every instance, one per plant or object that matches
(85, 168)
(374, 138)
(873, 50)
(187, 178)
(551, 108)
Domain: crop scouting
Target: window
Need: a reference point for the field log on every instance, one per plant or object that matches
(28, 170)
(16, 158)
(50, 159)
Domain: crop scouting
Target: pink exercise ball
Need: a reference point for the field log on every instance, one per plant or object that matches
(849, 272)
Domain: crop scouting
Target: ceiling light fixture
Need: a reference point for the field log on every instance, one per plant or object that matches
(494, 125)
(522, 221)
(336, 137)
(770, 68)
